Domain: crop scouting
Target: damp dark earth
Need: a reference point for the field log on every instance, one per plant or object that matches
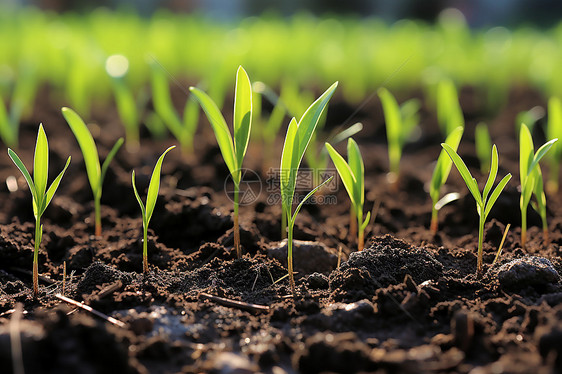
(217, 300)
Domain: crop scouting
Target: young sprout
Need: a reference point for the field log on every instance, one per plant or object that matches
(531, 179)
(352, 174)
(9, 125)
(529, 118)
(232, 148)
(400, 122)
(148, 209)
(182, 129)
(440, 175)
(449, 112)
(554, 131)
(116, 67)
(39, 192)
(484, 201)
(483, 144)
(96, 174)
(296, 141)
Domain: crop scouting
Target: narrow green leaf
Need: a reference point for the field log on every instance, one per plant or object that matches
(358, 168)
(154, 185)
(53, 188)
(493, 173)
(365, 222)
(286, 161)
(465, 173)
(494, 196)
(41, 163)
(220, 128)
(15, 158)
(163, 101)
(449, 112)
(444, 164)
(483, 144)
(526, 153)
(242, 114)
(126, 104)
(308, 197)
(448, 198)
(8, 127)
(410, 119)
(541, 152)
(190, 117)
(143, 211)
(107, 161)
(347, 133)
(88, 147)
(554, 125)
(393, 120)
(309, 120)
(344, 170)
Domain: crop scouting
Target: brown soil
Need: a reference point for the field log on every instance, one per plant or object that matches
(410, 303)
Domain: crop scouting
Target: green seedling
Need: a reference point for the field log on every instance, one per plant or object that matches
(449, 112)
(400, 122)
(531, 179)
(529, 118)
(148, 209)
(484, 201)
(483, 145)
(296, 142)
(352, 174)
(232, 148)
(554, 131)
(182, 129)
(9, 125)
(39, 192)
(116, 67)
(128, 112)
(96, 174)
(439, 177)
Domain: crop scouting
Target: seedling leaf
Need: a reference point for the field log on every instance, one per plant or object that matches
(465, 174)
(154, 186)
(219, 128)
(54, 186)
(41, 163)
(242, 113)
(345, 172)
(495, 194)
(87, 145)
(308, 197)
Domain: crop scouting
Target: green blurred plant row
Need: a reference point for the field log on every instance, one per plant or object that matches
(69, 53)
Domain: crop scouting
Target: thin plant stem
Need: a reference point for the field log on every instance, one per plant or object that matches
(480, 243)
(97, 214)
(145, 249)
(290, 258)
(544, 227)
(361, 233)
(36, 256)
(236, 224)
(434, 221)
(523, 227)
